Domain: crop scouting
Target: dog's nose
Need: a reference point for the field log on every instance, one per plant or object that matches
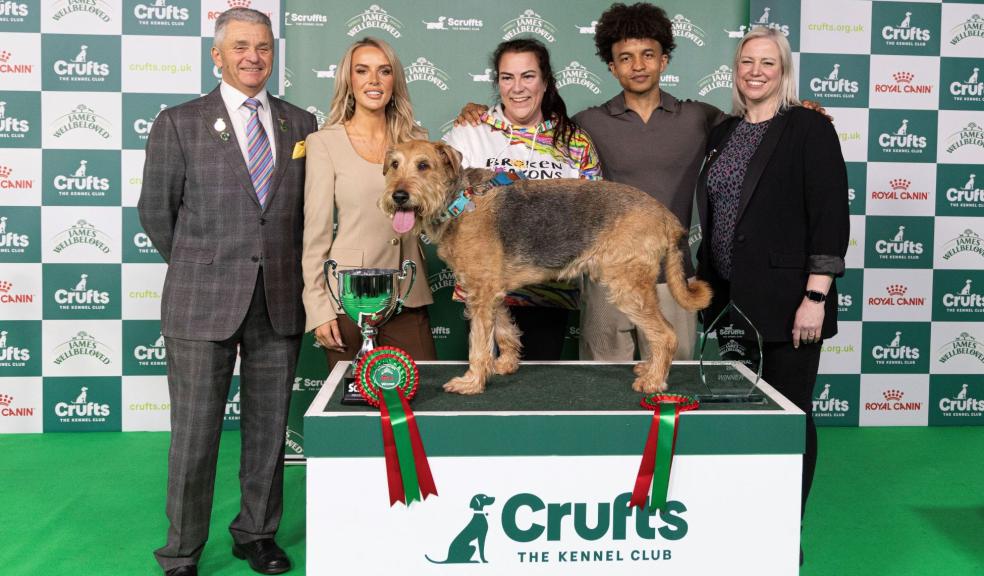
(400, 197)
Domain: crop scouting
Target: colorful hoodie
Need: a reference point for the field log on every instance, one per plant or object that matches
(497, 145)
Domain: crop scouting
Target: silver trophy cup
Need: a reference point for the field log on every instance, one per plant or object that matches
(369, 296)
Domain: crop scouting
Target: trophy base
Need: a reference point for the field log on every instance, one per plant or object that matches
(737, 398)
(350, 392)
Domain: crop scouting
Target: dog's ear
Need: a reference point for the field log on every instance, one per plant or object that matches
(451, 158)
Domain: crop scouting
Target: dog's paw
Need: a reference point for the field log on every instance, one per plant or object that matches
(505, 364)
(466, 384)
(649, 385)
(640, 368)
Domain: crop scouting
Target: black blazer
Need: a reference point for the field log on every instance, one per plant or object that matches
(793, 220)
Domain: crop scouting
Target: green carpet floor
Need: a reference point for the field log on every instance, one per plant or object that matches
(887, 502)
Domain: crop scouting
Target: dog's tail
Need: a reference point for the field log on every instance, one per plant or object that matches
(692, 296)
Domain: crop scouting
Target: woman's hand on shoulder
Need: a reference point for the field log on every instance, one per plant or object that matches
(329, 336)
(471, 114)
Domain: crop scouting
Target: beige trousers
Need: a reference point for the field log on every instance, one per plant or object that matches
(608, 335)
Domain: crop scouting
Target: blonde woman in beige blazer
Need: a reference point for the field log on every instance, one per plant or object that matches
(370, 110)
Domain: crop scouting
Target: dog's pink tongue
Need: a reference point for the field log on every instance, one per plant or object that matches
(403, 221)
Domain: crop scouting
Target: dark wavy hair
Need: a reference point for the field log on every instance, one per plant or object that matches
(552, 106)
(640, 20)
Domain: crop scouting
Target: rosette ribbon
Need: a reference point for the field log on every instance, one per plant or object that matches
(387, 378)
(654, 471)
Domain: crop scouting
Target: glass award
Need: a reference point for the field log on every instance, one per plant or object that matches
(731, 337)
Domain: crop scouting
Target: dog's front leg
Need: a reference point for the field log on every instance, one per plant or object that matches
(507, 338)
(482, 312)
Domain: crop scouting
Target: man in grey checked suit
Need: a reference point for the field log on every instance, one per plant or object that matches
(222, 200)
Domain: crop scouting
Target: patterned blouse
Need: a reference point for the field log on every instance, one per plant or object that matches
(724, 182)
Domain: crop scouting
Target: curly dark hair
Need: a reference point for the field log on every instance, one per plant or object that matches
(640, 20)
(552, 106)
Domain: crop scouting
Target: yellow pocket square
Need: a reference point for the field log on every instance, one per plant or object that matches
(299, 151)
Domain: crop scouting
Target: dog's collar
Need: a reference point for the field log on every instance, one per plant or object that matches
(463, 200)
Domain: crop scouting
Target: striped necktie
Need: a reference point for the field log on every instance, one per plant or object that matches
(260, 159)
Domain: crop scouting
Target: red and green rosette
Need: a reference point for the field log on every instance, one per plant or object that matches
(654, 471)
(387, 378)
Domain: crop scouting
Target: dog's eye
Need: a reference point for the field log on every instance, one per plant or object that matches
(394, 164)
(422, 165)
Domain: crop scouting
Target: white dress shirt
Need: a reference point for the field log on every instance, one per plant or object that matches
(239, 115)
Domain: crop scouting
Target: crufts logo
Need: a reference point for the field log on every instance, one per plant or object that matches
(82, 409)
(899, 247)
(893, 402)
(967, 242)
(11, 242)
(834, 84)
(529, 22)
(971, 89)
(374, 17)
(160, 13)
(471, 538)
(81, 296)
(8, 410)
(80, 182)
(961, 404)
(13, 11)
(965, 299)
(964, 345)
(905, 34)
(329, 73)
(11, 126)
(765, 21)
(828, 404)
(901, 140)
(8, 183)
(142, 126)
(153, 355)
(12, 356)
(81, 68)
(895, 352)
(899, 190)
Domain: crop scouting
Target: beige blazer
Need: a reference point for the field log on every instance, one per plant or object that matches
(342, 184)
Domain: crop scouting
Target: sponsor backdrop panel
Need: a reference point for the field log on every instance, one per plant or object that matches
(81, 84)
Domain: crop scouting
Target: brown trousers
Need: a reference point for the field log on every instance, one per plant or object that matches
(409, 330)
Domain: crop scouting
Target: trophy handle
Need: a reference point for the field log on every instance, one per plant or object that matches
(330, 266)
(413, 275)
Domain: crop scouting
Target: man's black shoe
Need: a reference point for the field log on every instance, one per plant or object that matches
(264, 556)
(189, 570)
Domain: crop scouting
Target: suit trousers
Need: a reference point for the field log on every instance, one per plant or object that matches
(793, 372)
(608, 335)
(408, 330)
(199, 375)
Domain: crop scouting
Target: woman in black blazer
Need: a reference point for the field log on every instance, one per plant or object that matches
(773, 205)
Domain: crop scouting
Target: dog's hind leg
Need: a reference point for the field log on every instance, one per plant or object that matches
(481, 308)
(507, 338)
(633, 291)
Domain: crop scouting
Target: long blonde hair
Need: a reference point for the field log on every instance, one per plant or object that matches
(399, 111)
(787, 84)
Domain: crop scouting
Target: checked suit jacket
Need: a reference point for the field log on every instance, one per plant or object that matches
(200, 210)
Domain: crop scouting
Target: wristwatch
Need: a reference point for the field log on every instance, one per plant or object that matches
(815, 296)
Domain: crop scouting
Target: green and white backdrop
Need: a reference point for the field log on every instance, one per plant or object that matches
(81, 82)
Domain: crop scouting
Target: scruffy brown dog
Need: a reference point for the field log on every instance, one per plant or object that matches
(538, 230)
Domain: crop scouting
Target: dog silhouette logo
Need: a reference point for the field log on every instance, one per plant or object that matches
(471, 539)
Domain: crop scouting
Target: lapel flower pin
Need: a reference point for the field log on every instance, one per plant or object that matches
(283, 124)
(220, 127)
